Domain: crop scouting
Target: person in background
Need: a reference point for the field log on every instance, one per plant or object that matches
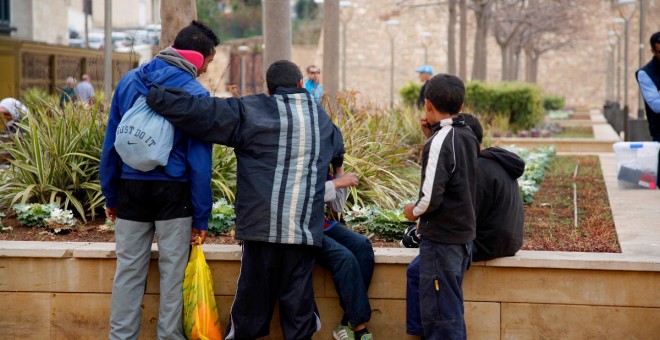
(425, 73)
(445, 208)
(313, 84)
(173, 201)
(68, 92)
(11, 112)
(648, 78)
(85, 90)
(349, 257)
(500, 216)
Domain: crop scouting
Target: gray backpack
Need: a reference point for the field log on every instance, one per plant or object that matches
(144, 138)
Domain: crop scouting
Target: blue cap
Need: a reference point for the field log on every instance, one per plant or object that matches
(426, 69)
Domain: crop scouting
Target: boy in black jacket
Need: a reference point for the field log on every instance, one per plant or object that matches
(284, 143)
(500, 216)
(445, 208)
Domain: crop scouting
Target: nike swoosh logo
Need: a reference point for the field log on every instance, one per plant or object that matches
(129, 143)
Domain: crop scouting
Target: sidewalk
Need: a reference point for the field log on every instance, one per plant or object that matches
(636, 213)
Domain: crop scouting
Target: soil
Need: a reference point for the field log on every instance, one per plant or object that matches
(96, 231)
(549, 221)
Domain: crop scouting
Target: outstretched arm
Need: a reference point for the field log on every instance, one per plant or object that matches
(210, 119)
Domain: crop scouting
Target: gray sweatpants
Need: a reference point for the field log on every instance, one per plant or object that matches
(133, 248)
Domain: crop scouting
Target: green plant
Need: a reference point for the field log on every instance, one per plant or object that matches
(223, 181)
(55, 158)
(2, 227)
(536, 164)
(521, 102)
(410, 93)
(35, 214)
(385, 224)
(61, 221)
(376, 153)
(553, 102)
(222, 217)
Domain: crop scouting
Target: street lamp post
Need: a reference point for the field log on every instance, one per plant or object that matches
(346, 8)
(391, 27)
(642, 15)
(242, 51)
(618, 60)
(609, 74)
(426, 37)
(626, 9)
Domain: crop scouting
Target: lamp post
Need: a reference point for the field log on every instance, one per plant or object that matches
(242, 51)
(346, 8)
(390, 26)
(618, 59)
(426, 38)
(626, 9)
(609, 74)
(642, 15)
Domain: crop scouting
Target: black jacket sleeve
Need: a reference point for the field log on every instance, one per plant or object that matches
(210, 119)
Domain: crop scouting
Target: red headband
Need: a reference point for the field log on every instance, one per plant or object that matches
(194, 57)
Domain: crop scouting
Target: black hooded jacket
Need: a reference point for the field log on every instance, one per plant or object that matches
(500, 213)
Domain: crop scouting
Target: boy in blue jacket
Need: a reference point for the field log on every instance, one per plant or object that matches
(173, 200)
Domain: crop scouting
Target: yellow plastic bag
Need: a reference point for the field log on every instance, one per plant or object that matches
(200, 313)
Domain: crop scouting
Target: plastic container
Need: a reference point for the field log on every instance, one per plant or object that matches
(637, 164)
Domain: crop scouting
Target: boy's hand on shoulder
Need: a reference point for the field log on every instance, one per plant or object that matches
(408, 211)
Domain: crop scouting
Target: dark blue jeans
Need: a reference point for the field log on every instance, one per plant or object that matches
(350, 259)
(434, 301)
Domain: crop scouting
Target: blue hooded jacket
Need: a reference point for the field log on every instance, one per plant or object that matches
(190, 159)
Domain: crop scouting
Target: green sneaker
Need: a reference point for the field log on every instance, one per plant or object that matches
(343, 333)
(367, 336)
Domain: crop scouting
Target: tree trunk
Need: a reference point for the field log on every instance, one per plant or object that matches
(451, 39)
(504, 51)
(462, 41)
(528, 64)
(175, 15)
(479, 67)
(515, 64)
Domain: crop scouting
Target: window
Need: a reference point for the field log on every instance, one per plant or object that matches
(4, 17)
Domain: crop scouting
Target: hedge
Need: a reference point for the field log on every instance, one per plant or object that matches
(523, 103)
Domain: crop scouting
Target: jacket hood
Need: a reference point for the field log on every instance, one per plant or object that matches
(162, 71)
(512, 163)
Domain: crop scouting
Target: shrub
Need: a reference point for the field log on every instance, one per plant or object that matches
(376, 153)
(536, 164)
(553, 102)
(410, 92)
(55, 158)
(521, 102)
(386, 224)
(222, 217)
(34, 215)
(223, 181)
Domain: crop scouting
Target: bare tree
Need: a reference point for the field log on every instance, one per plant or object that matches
(451, 37)
(462, 40)
(551, 26)
(175, 15)
(483, 12)
(508, 21)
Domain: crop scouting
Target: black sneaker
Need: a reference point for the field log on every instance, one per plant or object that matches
(410, 237)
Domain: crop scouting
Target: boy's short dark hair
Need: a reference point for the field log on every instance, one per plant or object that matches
(655, 39)
(474, 124)
(445, 92)
(196, 37)
(282, 73)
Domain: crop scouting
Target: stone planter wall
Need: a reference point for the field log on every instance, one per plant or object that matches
(57, 290)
